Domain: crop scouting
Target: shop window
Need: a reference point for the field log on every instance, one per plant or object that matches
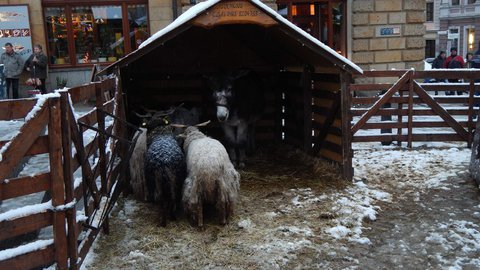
(92, 34)
(57, 36)
(137, 21)
(324, 20)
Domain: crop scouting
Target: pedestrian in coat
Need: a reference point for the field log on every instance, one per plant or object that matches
(12, 68)
(454, 61)
(439, 62)
(37, 65)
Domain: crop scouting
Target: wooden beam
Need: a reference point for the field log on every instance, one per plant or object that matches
(31, 260)
(346, 103)
(410, 112)
(23, 225)
(16, 108)
(471, 92)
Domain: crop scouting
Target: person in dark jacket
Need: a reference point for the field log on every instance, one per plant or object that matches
(37, 65)
(12, 68)
(439, 62)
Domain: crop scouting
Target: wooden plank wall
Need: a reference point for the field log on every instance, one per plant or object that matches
(327, 122)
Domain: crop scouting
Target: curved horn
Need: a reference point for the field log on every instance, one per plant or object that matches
(143, 115)
(202, 124)
(178, 125)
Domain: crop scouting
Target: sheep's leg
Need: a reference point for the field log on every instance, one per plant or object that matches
(230, 138)
(221, 199)
(242, 141)
(200, 214)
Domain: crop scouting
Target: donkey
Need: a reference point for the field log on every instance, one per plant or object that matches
(239, 99)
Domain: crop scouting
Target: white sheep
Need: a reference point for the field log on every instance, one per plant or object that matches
(211, 179)
(137, 166)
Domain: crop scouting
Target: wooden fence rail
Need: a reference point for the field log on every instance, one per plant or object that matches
(404, 111)
(53, 127)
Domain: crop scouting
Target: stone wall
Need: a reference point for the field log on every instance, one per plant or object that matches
(388, 34)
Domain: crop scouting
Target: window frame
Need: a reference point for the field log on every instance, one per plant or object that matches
(454, 2)
(429, 12)
(68, 5)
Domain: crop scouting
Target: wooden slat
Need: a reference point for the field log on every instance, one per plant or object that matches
(16, 108)
(410, 113)
(42, 257)
(82, 93)
(40, 146)
(446, 87)
(89, 118)
(416, 112)
(440, 111)
(370, 87)
(331, 155)
(86, 244)
(423, 124)
(21, 143)
(101, 139)
(437, 137)
(25, 185)
(23, 225)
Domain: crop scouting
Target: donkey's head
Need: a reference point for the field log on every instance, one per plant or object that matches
(223, 90)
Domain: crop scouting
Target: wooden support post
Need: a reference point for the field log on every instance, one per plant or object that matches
(57, 183)
(400, 120)
(307, 110)
(346, 103)
(68, 179)
(471, 93)
(102, 163)
(410, 111)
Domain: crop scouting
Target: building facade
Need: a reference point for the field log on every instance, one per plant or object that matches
(375, 34)
(459, 25)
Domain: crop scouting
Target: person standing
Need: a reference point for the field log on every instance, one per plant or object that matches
(454, 61)
(12, 68)
(37, 65)
(468, 60)
(439, 62)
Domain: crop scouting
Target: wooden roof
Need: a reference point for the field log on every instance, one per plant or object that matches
(232, 33)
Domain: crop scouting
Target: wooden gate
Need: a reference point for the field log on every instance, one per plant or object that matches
(415, 107)
(87, 155)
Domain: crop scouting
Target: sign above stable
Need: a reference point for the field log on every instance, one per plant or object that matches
(234, 12)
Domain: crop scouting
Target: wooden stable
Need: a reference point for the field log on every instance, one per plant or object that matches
(306, 82)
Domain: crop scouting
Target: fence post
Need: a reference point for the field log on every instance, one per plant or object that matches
(410, 109)
(345, 105)
(68, 178)
(471, 93)
(57, 183)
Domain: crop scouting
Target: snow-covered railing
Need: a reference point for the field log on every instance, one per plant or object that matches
(52, 128)
(419, 105)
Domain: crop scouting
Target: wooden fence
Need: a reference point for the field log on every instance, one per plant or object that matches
(403, 106)
(85, 161)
